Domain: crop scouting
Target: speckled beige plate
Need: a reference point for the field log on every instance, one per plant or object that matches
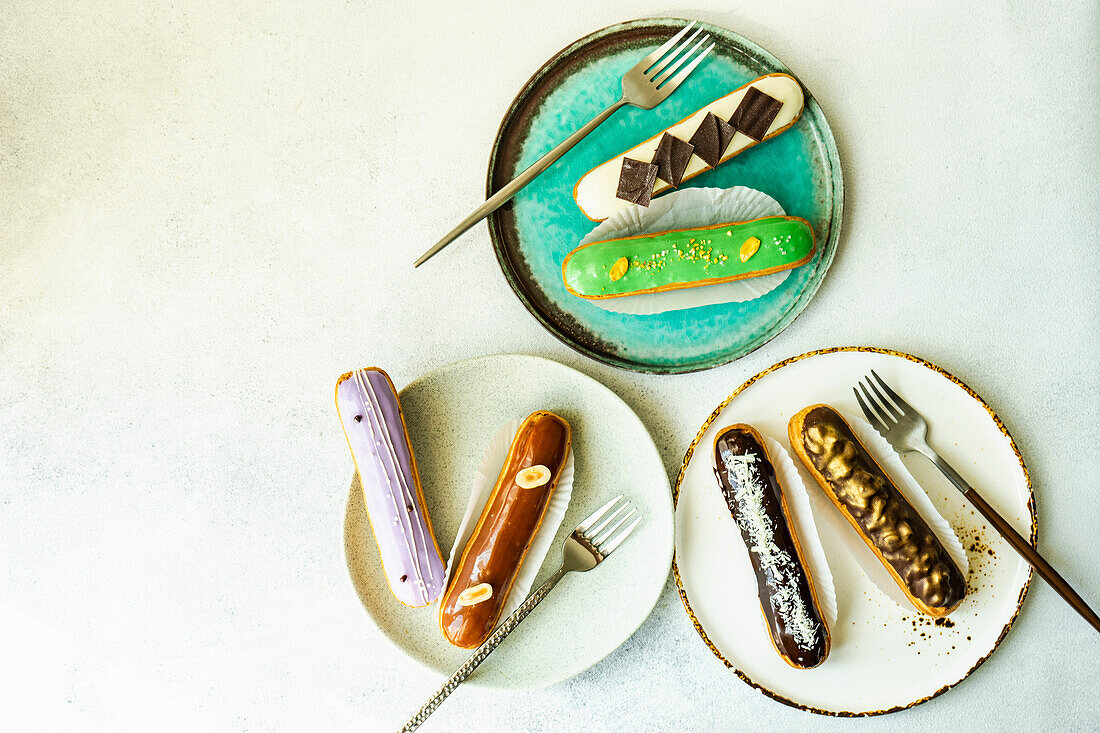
(884, 657)
(452, 413)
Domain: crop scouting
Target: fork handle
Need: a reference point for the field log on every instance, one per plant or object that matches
(505, 194)
(483, 651)
(1021, 545)
(1050, 575)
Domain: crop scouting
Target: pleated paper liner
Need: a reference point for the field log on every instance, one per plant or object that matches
(484, 480)
(691, 207)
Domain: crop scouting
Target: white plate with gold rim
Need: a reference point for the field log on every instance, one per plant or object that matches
(452, 414)
(883, 657)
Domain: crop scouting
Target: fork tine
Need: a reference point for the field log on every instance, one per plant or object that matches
(612, 544)
(668, 57)
(656, 55)
(689, 54)
(890, 409)
(595, 516)
(871, 417)
(599, 527)
(886, 418)
(875, 407)
(604, 535)
(902, 404)
(670, 86)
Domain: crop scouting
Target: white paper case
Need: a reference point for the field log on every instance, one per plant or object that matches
(484, 481)
(911, 490)
(691, 207)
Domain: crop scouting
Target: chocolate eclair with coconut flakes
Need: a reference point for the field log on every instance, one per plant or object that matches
(756, 500)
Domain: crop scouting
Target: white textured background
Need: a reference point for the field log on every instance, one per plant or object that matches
(208, 211)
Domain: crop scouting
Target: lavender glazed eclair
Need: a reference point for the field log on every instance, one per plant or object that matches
(379, 441)
(755, 497)
(484, 576)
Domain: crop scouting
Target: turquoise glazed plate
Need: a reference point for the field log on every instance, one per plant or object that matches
(799, 168)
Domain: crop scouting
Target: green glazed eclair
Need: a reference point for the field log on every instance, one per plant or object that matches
(688, 258)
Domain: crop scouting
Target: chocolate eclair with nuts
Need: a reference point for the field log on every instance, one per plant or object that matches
(484, 576)
(871, 502)
(755, 497)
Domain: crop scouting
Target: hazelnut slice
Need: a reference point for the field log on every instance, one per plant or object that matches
(748, 249)
(532, 477)
(619, 268)
(475, 594)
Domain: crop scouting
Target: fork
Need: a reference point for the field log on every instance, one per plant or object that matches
(907, 432)
(586, 547)
(645, 85)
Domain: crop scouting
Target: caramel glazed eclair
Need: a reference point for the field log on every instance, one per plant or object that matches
(880, 513)
(491, 560)
(756, 500)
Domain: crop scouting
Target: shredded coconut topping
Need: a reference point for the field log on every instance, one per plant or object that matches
(780, 569)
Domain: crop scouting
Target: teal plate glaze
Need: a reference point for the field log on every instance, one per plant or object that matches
(531, 236)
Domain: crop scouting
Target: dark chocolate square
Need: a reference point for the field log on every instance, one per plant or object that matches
(754, 115)
(636, 181)
(712, 138)
(672, 158)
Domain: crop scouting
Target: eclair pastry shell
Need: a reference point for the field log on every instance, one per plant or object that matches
(793, 531)
(468, 628)
(421, 507)
(777, 83)
(701, 282)
(795, 432)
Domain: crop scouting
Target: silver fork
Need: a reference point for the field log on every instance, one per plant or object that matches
(907, 432)
(645, 85)
(586, 547)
